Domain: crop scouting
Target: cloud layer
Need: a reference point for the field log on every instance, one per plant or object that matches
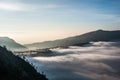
(100, 61)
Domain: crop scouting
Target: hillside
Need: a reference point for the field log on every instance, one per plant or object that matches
(11, 44)
(99, 35)
(14, 68)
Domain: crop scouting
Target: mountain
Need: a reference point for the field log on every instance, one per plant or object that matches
(99, 35)
(11, 44)
(14, 68)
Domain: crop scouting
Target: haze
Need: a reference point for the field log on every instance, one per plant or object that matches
(96, 61)
(29, 21)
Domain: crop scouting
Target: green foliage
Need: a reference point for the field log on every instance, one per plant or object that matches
(14, 68)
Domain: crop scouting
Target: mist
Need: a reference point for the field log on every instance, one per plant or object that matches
(96, 61)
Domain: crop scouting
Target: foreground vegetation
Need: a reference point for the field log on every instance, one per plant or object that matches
(14, 68)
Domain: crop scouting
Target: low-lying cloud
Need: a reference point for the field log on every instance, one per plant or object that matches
(97, 61)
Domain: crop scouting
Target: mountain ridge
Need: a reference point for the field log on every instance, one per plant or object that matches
(11, 44)
(98, 35)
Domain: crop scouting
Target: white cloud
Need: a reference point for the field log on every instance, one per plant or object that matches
(11, 6)
(19, 6)
(99, 61)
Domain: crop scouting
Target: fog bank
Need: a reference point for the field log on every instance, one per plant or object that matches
(96, 61)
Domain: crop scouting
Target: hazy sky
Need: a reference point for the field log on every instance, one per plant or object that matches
(29, 21)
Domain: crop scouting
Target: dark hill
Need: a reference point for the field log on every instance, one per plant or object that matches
(14, 68)
(99, 35)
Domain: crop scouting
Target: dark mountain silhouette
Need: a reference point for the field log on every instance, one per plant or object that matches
(11, 44)
(99, 35)
(14, 68)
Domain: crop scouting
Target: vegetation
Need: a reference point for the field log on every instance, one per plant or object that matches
(42, 52)
(14, 68)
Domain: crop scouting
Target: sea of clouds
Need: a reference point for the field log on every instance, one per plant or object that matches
(95, 61)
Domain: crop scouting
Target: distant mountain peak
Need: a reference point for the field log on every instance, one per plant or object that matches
(98, 35)
(100, 30)
(5, 37)
(11, 44)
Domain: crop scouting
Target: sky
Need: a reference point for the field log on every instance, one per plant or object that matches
(28, 21)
